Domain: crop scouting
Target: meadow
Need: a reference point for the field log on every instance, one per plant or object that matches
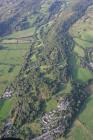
(82, 33)
(82, 128)
(23, 33)
(11, 59)
(5, 108)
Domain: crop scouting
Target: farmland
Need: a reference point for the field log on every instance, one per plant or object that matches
(82, 32)
(11, 59)
(12, 55)
(5, 108)
(82, 128)
(20, 34)
(46, 58)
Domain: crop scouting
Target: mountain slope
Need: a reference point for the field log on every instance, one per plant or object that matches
(46, 81)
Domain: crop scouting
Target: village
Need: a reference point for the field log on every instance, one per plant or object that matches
(54, 123)
(51, 119)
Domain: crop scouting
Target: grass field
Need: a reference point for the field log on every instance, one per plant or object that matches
(83, 43)
(11, 59)
(82, 32)
(50, 105)
(79, 51)
(23, 33)
(83, 127)
(84, 74)
(5, 108)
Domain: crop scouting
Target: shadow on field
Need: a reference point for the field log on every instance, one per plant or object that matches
(83, 107)
(10, 139)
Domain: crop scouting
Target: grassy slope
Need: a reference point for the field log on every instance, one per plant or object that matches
(23, 33)
(11, 59)
(5, 108)
(14, 55)
(82, 32)
(83, 127)
(78, 131)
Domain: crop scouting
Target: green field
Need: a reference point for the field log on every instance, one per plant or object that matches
(50, 105)
(82, 32)
(23, 33)
(11, 59)
(5, 108)
(79, 51)
(46, 64)
(83, 43)
(83, 127)
(84, 74)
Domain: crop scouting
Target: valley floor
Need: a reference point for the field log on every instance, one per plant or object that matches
(45, 66)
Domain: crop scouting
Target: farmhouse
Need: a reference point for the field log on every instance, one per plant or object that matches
(90, 66)
(63, 105)
(7, 94)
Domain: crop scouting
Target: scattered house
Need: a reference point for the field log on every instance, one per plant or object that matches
(51, 119)
(63, 105)
(89, 50)
(45, 121)
(90, 66)
(7, 94)
(8, 124)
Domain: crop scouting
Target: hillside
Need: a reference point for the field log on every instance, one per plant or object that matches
(46, 69)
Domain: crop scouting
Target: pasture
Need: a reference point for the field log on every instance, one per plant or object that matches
(23, 33)
(82, 129)
(82, 33)
(11, 59)
(5, 108)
